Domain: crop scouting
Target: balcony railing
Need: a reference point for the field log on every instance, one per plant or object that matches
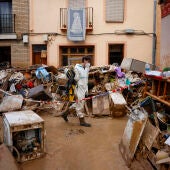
(7, 23)
(64, 18)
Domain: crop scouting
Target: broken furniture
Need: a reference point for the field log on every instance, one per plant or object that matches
(140, 145)
(100, 105)
(132, 134)
(160, 89)
(23, 133)
(118, 103)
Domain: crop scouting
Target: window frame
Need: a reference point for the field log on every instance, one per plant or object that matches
(123, 20)
(77, 54)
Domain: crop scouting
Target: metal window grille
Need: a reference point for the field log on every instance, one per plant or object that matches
(7, 23)
(114, 10)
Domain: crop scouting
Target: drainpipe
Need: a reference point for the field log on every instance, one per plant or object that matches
(154, 34)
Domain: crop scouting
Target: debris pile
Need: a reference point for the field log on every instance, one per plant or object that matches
(146, 139)
(113, 91)
(40, 87)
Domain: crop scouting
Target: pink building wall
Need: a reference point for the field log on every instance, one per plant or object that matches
(45, 18)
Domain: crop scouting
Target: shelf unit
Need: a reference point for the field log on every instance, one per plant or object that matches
(160, 89)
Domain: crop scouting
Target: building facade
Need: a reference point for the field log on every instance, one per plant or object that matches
(165, 33)
(14, 22)
(61, 32)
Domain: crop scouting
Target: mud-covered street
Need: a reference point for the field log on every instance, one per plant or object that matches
(84, 85)
(71, 147)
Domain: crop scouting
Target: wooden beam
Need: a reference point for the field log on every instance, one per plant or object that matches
(158, 98)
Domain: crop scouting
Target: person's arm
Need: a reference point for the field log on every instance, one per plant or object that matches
(77, 75)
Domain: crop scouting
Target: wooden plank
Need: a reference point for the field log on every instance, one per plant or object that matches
(145, 89)
(165, 90)
(166, 160)
(132, 134)
(157, 98)
(159, 86)
(149, 135)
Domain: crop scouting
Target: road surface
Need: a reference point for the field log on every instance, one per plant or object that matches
(71, 147)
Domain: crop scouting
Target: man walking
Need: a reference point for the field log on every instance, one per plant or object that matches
(81, 77)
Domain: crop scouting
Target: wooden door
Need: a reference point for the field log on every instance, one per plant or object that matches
(37, 58)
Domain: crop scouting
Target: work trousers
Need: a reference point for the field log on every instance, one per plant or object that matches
(80, 92)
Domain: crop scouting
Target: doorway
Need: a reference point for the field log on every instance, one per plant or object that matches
(116, 53)
(5, 54)
(39, 54)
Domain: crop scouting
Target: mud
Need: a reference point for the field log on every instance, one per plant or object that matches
(7, 161)
(71, 147)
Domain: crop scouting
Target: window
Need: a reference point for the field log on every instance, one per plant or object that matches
(38, 48)
(114, 10)
(116, 53)
(6, 17)
(77, 3)
(71, 55)
(5, 7)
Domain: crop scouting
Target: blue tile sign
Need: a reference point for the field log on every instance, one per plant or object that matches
(76, 24)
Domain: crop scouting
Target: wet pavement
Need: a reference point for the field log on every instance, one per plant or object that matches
(71, 147)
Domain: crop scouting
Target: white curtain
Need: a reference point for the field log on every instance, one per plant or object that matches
(5, 7)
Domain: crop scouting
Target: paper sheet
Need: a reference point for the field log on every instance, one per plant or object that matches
(168, 141)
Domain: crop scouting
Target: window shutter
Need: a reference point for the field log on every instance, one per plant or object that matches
(114, 10)
(77, 3)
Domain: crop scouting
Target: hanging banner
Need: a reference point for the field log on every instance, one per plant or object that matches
(76, 24)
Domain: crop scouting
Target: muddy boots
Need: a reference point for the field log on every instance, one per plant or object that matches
(64, 115)
(65, 112)
(83, 123)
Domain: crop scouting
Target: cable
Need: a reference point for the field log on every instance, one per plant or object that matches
(16, 150)
(119, 32)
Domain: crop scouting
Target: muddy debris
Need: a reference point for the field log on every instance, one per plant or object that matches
(114, 91)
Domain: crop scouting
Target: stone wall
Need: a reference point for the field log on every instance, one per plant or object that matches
(19, 50)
